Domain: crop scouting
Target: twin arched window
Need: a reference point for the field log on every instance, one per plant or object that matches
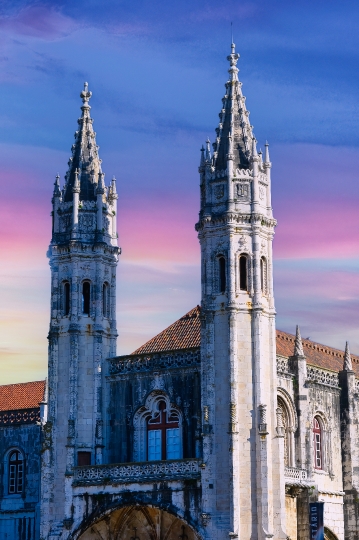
(318, 443)
(15, 472)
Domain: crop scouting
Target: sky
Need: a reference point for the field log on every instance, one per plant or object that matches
(157, 71)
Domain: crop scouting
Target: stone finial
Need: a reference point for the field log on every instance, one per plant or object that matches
(348, 366)
(254, 149)
(208, 149)
(266, 153)
(101, 183)
(57, 190)
(86, 95)
(202, 157)
(76, 186)
(298, 345)
(113, 186)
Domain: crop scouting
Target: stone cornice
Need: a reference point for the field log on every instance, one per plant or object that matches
(234, 218)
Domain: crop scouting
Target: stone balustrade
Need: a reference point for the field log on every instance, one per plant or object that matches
(128, 473)
(294, 474)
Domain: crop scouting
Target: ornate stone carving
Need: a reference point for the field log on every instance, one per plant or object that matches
(282, 365)
(219, 191)
(138, 472)
(87, 222)
(25, 416)
(153, 362)
(320, 376)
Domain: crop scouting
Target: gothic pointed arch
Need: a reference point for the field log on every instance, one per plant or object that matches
(287, 416)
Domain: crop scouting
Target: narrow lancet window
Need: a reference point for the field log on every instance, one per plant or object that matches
(318, 444)
(222, 274)
(106, 300)
(86, 293)
(66, 298)
(243, 278)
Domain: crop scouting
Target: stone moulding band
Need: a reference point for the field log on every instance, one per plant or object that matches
(137, 472)
(155, 361)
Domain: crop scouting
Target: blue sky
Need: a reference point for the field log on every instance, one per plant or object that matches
(157, 72)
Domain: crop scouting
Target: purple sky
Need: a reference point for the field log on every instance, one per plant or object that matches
(157, 72)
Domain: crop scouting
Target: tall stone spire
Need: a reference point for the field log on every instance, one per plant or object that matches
(298, 345)
(234, 132)
(85, 157)
(348, 366)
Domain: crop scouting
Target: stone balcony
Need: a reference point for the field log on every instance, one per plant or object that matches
(133, 473)
(294, 476)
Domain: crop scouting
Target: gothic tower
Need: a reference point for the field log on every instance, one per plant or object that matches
(83, 256)
(243, 490)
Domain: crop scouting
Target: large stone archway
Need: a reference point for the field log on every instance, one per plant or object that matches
(329, 535)
(139, 523)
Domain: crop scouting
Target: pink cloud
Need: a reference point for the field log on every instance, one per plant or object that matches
(39, 21)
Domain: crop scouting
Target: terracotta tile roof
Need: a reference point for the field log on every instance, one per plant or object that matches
(317, 354)
(183, 334)
(21, 396)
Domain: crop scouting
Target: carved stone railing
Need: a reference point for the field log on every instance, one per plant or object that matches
(293, 474)
(134, 363)
(283, 365)
(320, 376)
(21, 416)
(129, 473)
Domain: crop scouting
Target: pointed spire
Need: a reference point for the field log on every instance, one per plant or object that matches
(113, 188)
(298, 345)
(348, 366)
(101, 183)
(76, 186)
(57, 190)
(254, 149)
(234, 126)
(266, 154)
(85, 156)
(201, 163)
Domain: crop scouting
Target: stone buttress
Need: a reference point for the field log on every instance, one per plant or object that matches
(242, 482)
(83, 256)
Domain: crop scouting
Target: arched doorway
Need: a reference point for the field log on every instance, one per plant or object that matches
(139, 523)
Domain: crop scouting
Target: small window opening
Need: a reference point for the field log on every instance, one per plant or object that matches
(67, 298)
(83, 459)
(222, 274)
(263, 275)
(318, 444)
(243, 281)
(106, 300)
(86, 298)
(16, 472)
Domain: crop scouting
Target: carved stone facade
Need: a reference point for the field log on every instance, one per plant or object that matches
(218, 427)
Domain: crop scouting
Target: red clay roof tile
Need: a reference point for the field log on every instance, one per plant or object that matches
(21, 395)
(185, 333)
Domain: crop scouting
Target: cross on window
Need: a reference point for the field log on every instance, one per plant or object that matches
(163, 435)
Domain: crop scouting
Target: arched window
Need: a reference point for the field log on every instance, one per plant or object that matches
(318, 443)
(86, 294)
(222, 273)
(263, 275)
(163, 435)
(106, 300)
(243, 277)
(66, 298)
(16, 472)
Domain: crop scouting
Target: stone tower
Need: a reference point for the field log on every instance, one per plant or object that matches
(83, 256)
(242, 482)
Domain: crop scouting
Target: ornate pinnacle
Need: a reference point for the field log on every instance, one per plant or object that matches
(298, 345)
(76, 186)
(348, 366)
(266, 155)
(208, 149)
(86, 95)
(101, 183)
(254, 150)
(202, 157)
(57, 190)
